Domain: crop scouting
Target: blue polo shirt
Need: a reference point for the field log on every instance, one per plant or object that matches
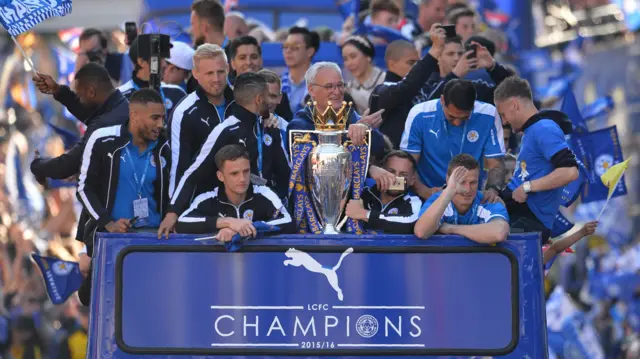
(127, 190)
(429, 134)
(477, 214)
(540, 142)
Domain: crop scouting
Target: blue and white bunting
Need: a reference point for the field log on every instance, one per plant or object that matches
(18, 16)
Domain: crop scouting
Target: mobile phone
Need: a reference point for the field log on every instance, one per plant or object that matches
(474, 48)
(449, 30)
(131, 31)
(399, 184)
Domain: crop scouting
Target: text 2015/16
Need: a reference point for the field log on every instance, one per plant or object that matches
(317, 345)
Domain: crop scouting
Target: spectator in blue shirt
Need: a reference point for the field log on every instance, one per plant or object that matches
(545, 163)
(438, 130)
(458, 209)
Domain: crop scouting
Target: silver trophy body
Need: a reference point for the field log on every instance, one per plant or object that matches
(329, 178)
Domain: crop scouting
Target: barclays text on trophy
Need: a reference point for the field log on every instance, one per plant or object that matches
(326, 169)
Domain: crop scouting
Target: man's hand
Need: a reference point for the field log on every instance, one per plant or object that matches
(490, 196)
(465, 65)
(119, 226)
(355, 210)
(85, 263)
(225, 235)
(589, 228)
(357, 133)
(454, 182)
(519, 195)
(168, 225)
(438, 37)
(46, 84)
(446, 228)
(243, 226)
(374, 120)
(272, 121)
(384, 179)
(485, 60)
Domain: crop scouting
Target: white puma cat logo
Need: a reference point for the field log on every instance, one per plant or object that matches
(435, 133)
(123, 159)
(299, 258)
(243, 142)
(205, 121)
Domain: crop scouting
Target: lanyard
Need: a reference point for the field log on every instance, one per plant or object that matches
(164, 102)
(464, 133)
(139, 182)
(259, 124)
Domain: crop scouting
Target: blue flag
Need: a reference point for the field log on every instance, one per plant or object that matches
(62, 278)
(18, 16)
(598, 108)
(598, 151)
(571, 109)
(386, 33)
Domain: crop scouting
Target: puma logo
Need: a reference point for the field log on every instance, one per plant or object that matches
(298, 258)
(123, 159)
(221, 215)
(243, 142)
(205, 121)
(435, 133)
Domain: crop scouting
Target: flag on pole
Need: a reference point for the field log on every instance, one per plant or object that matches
(598, 151)
(571, 109)
(612, 176)
(62, 278)
(18, 16)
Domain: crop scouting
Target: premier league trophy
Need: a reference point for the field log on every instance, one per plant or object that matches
(332, 167)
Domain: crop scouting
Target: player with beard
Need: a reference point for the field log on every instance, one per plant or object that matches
(201, 111)
(391, 211)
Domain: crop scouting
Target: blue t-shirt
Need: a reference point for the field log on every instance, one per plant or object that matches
(540, 142)
(477, 214)
(127, 190)
(429, 134)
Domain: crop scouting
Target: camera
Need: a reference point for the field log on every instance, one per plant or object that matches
(154, 47)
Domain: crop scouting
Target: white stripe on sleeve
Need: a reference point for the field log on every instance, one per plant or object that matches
(176, 125)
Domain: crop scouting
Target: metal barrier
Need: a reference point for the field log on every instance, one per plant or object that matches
(392, 296)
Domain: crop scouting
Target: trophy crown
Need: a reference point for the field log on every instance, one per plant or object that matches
(330, 119)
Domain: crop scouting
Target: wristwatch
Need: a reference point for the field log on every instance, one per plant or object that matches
(527, 187)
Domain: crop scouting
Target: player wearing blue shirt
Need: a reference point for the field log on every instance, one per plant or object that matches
(458, 209)
(545, 163)
(438, 130)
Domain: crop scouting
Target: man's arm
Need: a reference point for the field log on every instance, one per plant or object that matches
(281, 163)
(392, 95)
(487, 233)
(561, 245)
(91, 176)
(182, 145)
(560, 177)
(431, 219)
(71, 101)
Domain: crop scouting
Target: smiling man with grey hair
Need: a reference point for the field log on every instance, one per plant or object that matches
(325, 84)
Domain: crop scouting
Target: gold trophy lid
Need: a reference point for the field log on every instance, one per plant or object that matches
(330, 119)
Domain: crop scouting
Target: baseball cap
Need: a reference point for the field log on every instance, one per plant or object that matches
(181, 56)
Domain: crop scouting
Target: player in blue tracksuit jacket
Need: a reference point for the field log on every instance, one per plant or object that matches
(325, 84)
(545, 164)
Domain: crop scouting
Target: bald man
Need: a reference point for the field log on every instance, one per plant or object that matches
(235, 26)
(403, 81)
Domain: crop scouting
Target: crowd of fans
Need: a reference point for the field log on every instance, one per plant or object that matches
(223, 162)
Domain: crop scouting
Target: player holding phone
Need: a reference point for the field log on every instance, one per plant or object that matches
(393, 209)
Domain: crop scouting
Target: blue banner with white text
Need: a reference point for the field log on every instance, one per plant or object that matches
(18, 16)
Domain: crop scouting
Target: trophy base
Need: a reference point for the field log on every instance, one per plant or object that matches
(330, 229)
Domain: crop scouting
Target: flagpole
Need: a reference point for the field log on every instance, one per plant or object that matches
(26, 57)
(609, 198)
